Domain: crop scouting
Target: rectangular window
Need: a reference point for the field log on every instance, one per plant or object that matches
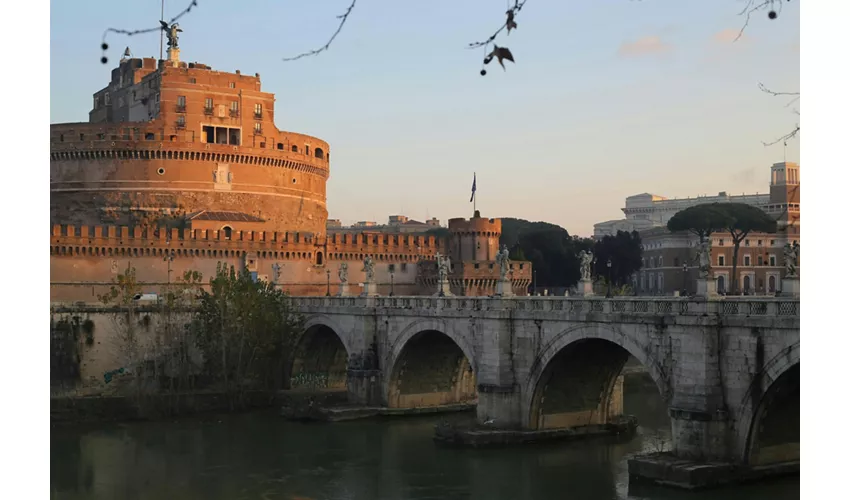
(747, 260)
(181, 121)
(721, 242)
(746, 243)
(758, 243)
(233, 85)
(208, 105)
(721, 260)
(181, 104)
(404, 267)
(258, 110)
(258, 128)
(773, 260)
(392, 268)
(234, 106)
(107, 101)
(761, 260)
(193, 80)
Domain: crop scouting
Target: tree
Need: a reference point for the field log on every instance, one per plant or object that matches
(552, 251)
(701, 220)
(624, 251)
(247, 331)
(742, 219)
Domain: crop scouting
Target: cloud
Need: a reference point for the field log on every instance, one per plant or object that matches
(729, 35)
(644, 46)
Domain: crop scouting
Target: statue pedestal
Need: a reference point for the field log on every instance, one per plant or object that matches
(443, 289)
(584, 288)
(504, 288)
(343, 290)
(370, 289)
(790, 287)
(173, 56)
(706, 287)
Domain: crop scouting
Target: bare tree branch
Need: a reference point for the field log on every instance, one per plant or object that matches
(796, 98)
(785, 138)
(104, 46)
(755, 5)
(511, 15)
(343, 18)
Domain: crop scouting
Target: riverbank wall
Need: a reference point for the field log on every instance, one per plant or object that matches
(103, 409)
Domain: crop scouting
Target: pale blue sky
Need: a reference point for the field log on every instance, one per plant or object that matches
(564, 135)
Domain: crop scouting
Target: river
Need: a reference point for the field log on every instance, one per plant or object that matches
(262, 456)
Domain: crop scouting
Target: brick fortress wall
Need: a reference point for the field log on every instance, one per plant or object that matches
(85, 259)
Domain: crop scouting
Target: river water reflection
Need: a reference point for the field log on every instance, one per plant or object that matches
(261, 456)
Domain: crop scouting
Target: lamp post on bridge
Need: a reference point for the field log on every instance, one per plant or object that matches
(608, 293)
(685, 279)
(392, 283)
(328, 294)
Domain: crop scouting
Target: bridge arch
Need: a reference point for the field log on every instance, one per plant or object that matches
(583, 364)
(320, 357)
(768, 423)
(429, 365)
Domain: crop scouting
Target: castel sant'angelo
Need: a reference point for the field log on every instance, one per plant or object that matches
(181, 167)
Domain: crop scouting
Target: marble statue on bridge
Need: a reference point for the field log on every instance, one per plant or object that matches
(369, 268)
(503, 260)
(343, 273)
(586, 257)
(791, 253)
(704, 258)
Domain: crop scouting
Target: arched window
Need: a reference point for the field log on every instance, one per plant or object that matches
(294, 149)
(721, 283)
(747, 283)
(318, 258)
(228, 232)
(771, 284)
(319, 153)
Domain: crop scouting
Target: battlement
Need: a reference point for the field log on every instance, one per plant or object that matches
(476, 225)
(141, 241)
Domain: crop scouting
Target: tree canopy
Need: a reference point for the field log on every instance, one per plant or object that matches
(552, 251)
(624, 250)
(701, 220)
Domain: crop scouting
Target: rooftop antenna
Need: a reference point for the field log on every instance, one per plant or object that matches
(161, 32)
(784, 150)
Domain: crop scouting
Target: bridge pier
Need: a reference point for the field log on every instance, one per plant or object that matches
(499, 406)
(365, 387)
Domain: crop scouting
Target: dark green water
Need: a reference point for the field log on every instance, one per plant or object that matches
(261, 456)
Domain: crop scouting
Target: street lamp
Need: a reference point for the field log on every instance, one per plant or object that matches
(608, 294)
(392, 283)
(328, 294)
(535, 282)
(685, 279)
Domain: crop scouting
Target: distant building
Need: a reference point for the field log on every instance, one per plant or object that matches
(668, 258)
(395, 224)
(645, 211)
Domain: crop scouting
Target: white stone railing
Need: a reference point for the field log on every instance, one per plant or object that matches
(689, 306)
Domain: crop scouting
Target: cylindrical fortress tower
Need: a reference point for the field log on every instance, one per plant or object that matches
(476, 239)
(165, 144)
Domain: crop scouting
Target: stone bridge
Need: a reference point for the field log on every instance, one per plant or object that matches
(728, 368)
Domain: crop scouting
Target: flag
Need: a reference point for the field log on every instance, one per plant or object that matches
(473, 189)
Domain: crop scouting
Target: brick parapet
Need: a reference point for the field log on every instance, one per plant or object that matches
(107, 240)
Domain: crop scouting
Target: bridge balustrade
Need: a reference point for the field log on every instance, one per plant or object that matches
(680, 306)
